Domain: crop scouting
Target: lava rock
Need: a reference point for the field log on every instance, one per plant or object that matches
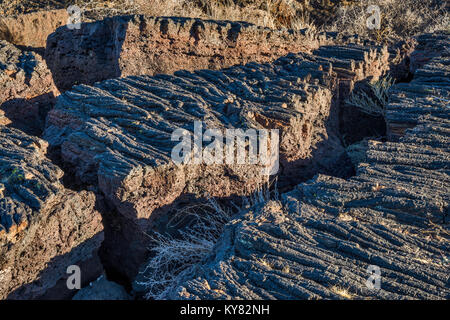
(325, 238)
(141, 45)
(31, 29)
(44, 227)
(27, 90)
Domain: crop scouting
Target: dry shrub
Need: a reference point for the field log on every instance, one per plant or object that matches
(266, 13)
(199, 228)
(399, 19)
(373, 101)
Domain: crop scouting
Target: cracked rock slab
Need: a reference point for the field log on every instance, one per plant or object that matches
(322, 239)
(44, 227)
(141, 45)
(117, 134)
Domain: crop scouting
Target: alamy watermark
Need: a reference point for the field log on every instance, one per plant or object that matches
(374, 280)
(76, 13)
(74, 280)
(74, 19)
(374, 21)
(228, 146)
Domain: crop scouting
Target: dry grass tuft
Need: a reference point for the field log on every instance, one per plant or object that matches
(374, 101)
(399, 19)
(344, 293)
(199, 228)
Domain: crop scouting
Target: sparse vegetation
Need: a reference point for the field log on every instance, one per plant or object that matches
(200, 226)
(374, 101)
(398, 18)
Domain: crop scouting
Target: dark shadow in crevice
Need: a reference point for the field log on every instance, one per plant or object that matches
(127, 245)
(28, 115)
(39, 50)
(356, 125)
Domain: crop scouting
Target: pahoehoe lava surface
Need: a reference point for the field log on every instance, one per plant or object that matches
(44, 227)
(87, 175)
(117, 133)
(319, 239)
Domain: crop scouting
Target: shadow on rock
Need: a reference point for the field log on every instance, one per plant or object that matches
(51, 283)
(29, 115)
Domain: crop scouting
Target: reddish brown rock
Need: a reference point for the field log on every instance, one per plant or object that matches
(138, 45)
(44, 227)
(31, 29)
(27, 90)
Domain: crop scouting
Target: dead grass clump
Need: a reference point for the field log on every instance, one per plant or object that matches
(267, 13)
(374, 100)
(342, 292)
(198, 229)
(399, 19)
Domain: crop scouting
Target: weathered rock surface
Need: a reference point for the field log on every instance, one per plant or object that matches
(429, 46)
(27, 90)
(354, 66)
(310, 249)
(142, 45)
(319, 240)
(31, 29)
(3, 119)
(102, 289)
(117, 134)
(44, 227)
(428, 93)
